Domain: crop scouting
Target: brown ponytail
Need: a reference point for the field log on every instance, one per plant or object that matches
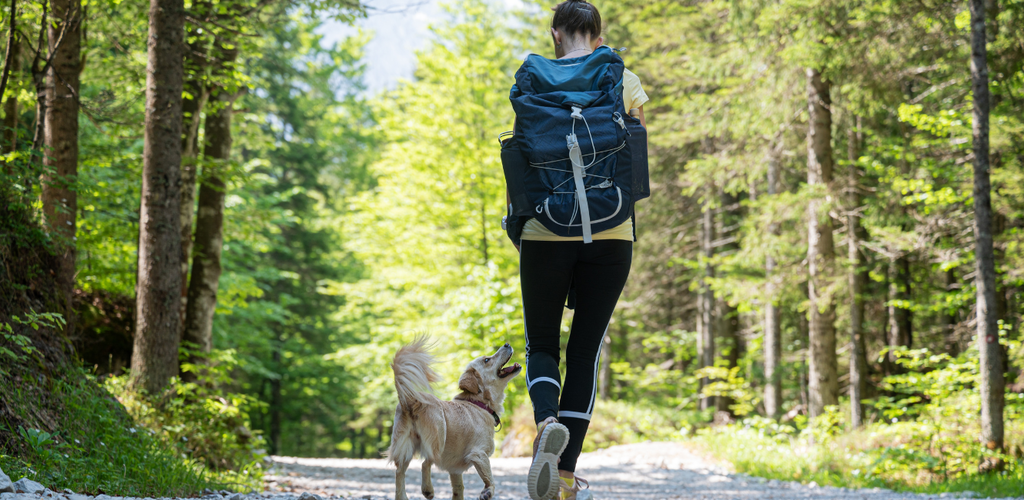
(577, 17)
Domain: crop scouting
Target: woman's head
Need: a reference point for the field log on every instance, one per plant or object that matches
(576, 25)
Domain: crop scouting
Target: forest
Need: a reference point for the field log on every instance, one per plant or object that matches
(212, 231)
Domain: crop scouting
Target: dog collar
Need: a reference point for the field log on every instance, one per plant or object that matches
(497, 419)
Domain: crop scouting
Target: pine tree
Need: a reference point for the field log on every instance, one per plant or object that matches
(992, 383)
(823, 384)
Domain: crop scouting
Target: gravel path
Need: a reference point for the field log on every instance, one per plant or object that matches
(646, 471)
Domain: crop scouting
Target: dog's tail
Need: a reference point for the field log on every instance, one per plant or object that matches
(413, 374)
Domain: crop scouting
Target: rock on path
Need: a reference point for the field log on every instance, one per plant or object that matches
(646, 471)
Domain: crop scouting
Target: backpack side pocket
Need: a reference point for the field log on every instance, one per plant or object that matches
(639, 172)
(514, 163)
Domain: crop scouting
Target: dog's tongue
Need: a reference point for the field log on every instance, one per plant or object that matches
(510, 369)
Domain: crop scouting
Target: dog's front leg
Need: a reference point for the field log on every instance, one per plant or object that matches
(427, 488)
(458, 489)
(402, 466)
(483, 468)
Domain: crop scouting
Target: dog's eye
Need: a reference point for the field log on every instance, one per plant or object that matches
(487, 360)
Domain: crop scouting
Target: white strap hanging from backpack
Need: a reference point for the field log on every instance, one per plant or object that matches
(578, 171)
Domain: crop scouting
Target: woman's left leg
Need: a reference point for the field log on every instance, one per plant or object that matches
(599, 275)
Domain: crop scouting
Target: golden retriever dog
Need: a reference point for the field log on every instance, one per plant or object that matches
(453, 435)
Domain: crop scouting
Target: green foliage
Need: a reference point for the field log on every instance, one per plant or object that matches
(726, 382)
(203, 424)
(96, 447)
(354, 222)
(620, 422)
(301, 144)
(925, 443)
(306, 138)
(429, 231)
(22, 343)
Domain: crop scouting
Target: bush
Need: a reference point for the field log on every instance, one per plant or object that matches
(202, 423)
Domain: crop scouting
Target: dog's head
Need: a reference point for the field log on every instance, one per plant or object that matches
(486, 377)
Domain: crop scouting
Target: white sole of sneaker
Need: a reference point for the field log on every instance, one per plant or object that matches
(542, 482)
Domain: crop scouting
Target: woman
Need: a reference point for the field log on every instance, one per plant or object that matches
(549, 266)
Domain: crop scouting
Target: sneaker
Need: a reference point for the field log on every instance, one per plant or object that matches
(543, 482)
(576, 488)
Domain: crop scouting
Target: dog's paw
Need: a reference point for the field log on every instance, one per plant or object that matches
(428, 493)
(487, 494)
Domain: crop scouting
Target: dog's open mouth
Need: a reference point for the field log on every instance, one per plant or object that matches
(508, 371)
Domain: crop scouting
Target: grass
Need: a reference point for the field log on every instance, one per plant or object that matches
(96, 447)
(855, 460)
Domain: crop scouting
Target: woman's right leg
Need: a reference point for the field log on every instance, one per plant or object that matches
(545, 269)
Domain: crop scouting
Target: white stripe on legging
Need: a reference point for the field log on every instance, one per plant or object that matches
(530, 383)
(597, 361)
(574, 414)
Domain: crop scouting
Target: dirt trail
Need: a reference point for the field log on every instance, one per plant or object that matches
(646, 471)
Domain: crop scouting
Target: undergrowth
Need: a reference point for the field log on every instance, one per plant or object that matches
(57, 425)
(613, 423)
(96, 447)
(857, 460)
(926, 438)
(200, 421)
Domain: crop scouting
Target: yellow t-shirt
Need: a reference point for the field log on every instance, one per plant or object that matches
(633, 96)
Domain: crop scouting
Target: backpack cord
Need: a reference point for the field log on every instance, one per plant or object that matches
(576, 157)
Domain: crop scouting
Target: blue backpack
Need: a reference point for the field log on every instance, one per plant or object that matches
(577, 162)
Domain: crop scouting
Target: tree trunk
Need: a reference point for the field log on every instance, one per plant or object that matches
(858, 356)
(206, 267)
(772, 323)
(59, 195)
(158, 288)
(730, 344)
(11, 104)
(706, 298)
(12, 53)
(39, 83)
(192, 107)
(992, 381)
(949, 318)
(275, 404)
(900, 334)
(823, 384)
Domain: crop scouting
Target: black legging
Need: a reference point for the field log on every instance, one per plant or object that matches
(598, 271)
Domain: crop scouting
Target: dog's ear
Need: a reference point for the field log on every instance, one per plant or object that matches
(470, 381)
